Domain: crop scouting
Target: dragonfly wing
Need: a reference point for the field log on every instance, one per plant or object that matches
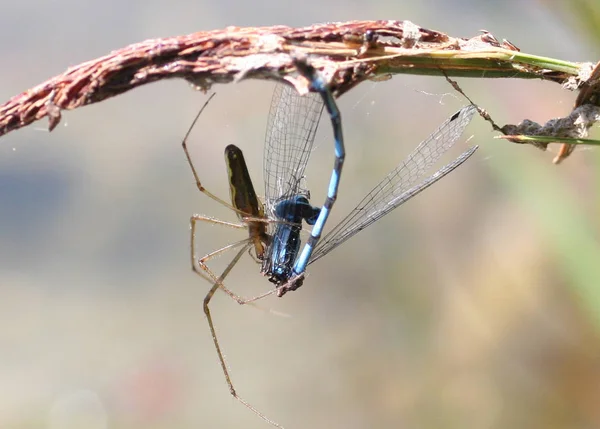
(291, 130)
(401, 183)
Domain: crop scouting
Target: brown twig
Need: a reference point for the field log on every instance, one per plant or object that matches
(573, 128)
(588, 94)
(346, 53)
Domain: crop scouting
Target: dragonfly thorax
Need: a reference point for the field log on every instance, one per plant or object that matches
(285, 242)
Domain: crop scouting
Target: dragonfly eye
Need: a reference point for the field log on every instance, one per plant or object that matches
(310, 213)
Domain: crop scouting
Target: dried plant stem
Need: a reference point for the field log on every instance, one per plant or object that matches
(347, 53)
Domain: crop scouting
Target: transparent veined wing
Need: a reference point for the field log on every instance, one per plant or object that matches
(291, 130)
(403, 182)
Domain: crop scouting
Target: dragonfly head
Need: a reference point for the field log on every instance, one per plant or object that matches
(297, 208)
(292, 284)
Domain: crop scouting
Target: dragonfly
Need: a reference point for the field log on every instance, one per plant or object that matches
(286, 158)
(291, 210)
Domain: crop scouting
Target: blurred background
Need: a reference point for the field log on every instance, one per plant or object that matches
(474, 305)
